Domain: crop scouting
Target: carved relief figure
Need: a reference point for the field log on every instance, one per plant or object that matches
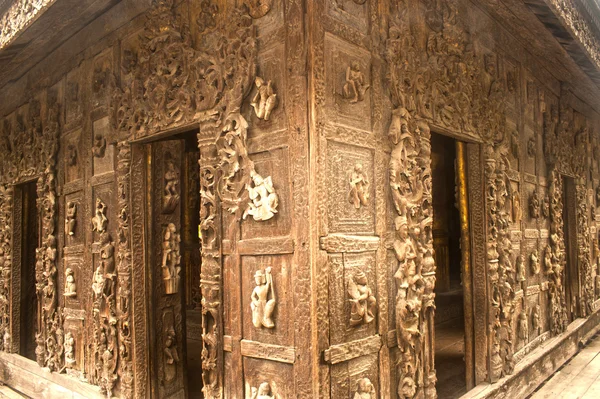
(99, 221)
(264, 391)
(69, 350)
(531, 147)
(263, 299)
(362, 300)
(365, 389)
(515, 144)
(534, 205)
(355, 86)
(71, 154)
(523, 329)
(535, 319)
(546, 207)
(99, 146)
(171, 195)
(548, 260)
(517, 212)
(170, 350)
(359, 187)
(206, 18)
(70, 220)
(70, 286)
(171, 262)
(263, 199)
(535, 262)
(265, 99)
(521, 268)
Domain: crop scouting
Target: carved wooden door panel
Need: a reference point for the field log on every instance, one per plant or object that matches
(165, 269)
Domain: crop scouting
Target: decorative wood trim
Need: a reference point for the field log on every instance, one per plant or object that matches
(343, 352)
(348, 243)
(260, 350)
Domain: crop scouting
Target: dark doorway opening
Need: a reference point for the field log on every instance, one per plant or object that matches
(449, 319)
(27, 195)
(570, 231)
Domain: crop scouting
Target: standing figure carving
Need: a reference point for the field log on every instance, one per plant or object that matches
(171, 261)
(71, 218)
(99, 221)
(264, 391)
(69, 350)
(171, 194)
(263, 199)
(534, 259)
(362, 300)
(355, 86)
(521, 268)
(534, 205)
(263, 299)
(99, 147)
(359, 187)
(70, 286)
(265, 99)
(365, 389)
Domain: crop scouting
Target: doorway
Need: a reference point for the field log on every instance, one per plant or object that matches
(26, 194)
(450, 338)
(173, 257)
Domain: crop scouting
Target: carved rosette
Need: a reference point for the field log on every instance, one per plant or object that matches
(124, 271)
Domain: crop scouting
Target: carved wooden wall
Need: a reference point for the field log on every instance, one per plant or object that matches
(313, 123)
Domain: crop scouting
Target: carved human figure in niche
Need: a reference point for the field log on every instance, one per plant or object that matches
(98, 288)
(355, 86)
(69, 346)
(265, 99)
(534, 205)
(171, 262)
(71, 218)
(365, 389)
(535, 319)
(531, 147)
(264, 391)
(546, 207)
(99, 146)
(521, 268)
(362, 300)
(263, 199)
(359, 187)
(99, 221)
(71, 153)
(534, 259)
(171, 197)
(515, 144)
(170, 350)
(263, 299)
(517, 212)
(548, 260)
(70, 286)
(523, 330)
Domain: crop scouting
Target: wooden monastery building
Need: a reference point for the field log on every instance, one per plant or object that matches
(276, 199)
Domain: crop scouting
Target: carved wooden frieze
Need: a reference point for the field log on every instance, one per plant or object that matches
(18, 17)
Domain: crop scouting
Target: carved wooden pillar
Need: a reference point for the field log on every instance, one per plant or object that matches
(211, 272)
(6, 258)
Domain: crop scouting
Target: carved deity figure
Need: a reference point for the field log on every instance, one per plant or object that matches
(69, 346)
(70, 286)
(99, 147)
(171, 262)
(531, 147)
(263, 299)
(359, 187)
(534, 205)
(263, 199)
(265, 99)
(534, 259)
(521, 268)
(99, 221)
(170, 350)
(264, 391)
(71, 218)
(548, 260)
(98, 288)
(365, 389)
(523, 329)
(355, 86)
(362, 300)
(517, 212)
(546, 207)
(171, 196)
(515, 144)
(71, 154)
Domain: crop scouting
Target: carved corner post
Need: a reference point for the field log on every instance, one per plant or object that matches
(124, 272)
(211, 272)
(7, 301)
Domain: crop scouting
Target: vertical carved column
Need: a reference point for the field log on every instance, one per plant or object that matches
(410, 181)
(124, 271)
(211, 274)
(584, 252)
(6, 224)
